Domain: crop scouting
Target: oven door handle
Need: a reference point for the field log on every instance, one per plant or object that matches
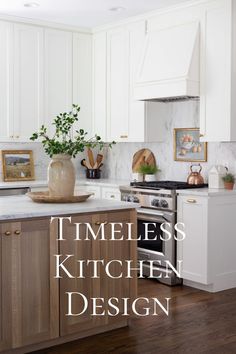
(158, 218)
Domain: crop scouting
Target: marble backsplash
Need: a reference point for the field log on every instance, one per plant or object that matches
(118, 160)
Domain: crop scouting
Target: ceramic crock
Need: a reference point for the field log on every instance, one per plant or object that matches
(61, 176)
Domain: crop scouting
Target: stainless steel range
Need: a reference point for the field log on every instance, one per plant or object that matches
(158, 207)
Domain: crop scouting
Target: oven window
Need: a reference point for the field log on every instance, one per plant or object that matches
(154, 231)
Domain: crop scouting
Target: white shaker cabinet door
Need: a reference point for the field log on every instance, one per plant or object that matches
(82, 79)
(136, 37)
(117, 85)
(193, 250)
(6, 81)
(216, 118)
(58, 74)
(100, 84)
(28, 80)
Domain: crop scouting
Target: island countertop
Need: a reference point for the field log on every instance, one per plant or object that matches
(22, 207)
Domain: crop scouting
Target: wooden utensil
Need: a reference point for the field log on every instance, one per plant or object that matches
(85, 164)
(98, 161)
(91, 158)
(100, 165)
(143, 156)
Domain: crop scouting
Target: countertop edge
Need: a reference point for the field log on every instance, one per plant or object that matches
(206, 192)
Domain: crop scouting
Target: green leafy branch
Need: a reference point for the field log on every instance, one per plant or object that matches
(62, 142)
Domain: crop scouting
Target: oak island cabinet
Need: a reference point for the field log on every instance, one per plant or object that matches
(33, 302)
(29, 310)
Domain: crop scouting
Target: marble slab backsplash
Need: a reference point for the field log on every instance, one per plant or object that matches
(118, 160)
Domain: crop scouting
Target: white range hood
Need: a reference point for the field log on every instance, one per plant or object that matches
(169, 67)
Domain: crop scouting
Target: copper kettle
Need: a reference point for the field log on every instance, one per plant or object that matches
(194, 176)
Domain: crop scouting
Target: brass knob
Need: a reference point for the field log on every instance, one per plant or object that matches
(8, 233)
(17, 136)
(100, 222)
(112, 196)
(11, 136)
(17, 232)
(191, 201)
(201, 135)
(124, 136)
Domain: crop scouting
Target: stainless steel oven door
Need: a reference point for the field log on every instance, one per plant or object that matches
(156, 249)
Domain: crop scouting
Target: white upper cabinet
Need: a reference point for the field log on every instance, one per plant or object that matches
(136, 109)
(116, 113)
(117, 84)
(28, 80)
(100, 84)
(218, 91)
(82, 79)
(6, 81)
(44, 70)
(58, 73)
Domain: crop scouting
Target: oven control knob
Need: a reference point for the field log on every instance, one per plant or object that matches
(155, 202)
(164, 204)
(133, 199)
(125, 198)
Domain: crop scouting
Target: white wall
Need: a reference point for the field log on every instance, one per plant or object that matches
(118, 161)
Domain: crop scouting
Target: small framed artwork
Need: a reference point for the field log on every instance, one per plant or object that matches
(187, 145)
(18, 165)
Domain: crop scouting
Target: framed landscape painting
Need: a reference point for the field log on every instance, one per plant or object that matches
(18, 165)
(187, 145)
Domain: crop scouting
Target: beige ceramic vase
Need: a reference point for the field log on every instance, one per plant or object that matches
(61, 176)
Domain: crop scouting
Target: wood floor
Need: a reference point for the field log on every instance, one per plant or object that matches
(199, 322)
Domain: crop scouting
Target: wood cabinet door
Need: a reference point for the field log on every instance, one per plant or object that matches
(122, 250)
(29, 291)
(79, 250)
(101, 287)
(193, 250)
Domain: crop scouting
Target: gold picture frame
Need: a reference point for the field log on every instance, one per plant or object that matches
(187, 145)
(18, 165)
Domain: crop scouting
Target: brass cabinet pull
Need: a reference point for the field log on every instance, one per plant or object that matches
(112, 196)
(101, 222)
(17, 136)
(191, 201)
(17, 232)
(124, 136)
(8, 233)
(201, 135)
(11, 136)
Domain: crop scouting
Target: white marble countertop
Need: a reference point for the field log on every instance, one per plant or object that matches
(22, 207)
(207, 192)
(106, 182)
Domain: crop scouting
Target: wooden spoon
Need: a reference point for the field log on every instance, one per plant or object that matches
(91, 158)
(85, 164)
(98, 161)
